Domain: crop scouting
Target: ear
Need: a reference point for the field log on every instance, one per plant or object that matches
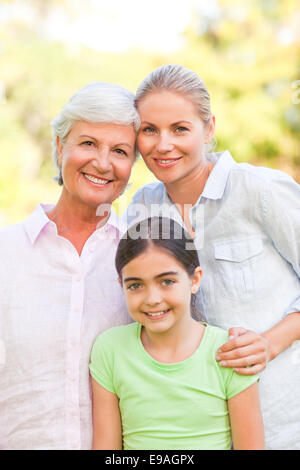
(120, 281)
(210, 129)
(59, 147)
(196, 280)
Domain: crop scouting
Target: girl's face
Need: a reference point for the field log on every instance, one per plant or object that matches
(172, 135)
(96, 161)
(158, 290)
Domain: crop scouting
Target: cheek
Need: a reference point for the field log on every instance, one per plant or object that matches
(194, 143)
(122, 171)
(132, 301)
(195, 149)
(143, 143)
(73, 158)
(183, 296)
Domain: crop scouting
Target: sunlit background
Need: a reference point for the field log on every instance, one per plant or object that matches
(247, 52)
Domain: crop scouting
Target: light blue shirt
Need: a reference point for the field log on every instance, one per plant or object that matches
(247, 223)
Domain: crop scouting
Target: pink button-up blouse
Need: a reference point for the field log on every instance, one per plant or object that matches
(53, 304)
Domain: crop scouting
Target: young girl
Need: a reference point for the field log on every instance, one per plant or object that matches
(156, 383)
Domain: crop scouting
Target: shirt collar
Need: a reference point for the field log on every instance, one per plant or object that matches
(217, 180)
(117, 222)
(36, 222)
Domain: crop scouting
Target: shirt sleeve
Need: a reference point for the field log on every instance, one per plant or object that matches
(282, 219)
(236, 383)
(232, 383)
(101, 364)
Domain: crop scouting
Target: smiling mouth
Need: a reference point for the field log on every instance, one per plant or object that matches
(95, 180)
(157, 315)
(166, 162)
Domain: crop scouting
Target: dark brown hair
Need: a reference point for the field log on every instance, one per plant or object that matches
(163, 233)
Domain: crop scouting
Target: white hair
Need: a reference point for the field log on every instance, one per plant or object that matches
(97, 102)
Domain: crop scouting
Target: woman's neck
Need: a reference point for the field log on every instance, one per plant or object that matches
(174, 345)
(75, 221)
(187, 190)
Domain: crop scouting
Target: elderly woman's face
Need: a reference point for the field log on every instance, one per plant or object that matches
(96, 161)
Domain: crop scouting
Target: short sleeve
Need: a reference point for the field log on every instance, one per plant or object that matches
(101, 364)
(236, 383)
(232, 382)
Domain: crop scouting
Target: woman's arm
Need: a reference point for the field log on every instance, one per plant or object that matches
(248, 352)
(246, 420)
(281, 217)
(107, 425)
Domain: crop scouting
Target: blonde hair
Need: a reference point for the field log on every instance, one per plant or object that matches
(180, 80)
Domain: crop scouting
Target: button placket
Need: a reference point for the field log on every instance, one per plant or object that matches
(73, 363)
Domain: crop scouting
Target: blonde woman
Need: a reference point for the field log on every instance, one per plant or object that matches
(246, 223)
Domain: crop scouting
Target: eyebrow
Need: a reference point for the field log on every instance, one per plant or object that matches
(173, 124)
(94, 138)
(88, 136)
(168, 273)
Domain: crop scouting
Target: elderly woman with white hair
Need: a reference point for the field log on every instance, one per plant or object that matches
(58, 285)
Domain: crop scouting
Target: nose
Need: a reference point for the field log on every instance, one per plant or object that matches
(153, 296)
(164, 143)
(102, 160)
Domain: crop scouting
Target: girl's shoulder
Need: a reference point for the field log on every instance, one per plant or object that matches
(228, 381)
(116, 336)
(216, 336)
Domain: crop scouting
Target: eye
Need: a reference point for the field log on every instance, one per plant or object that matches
(167, 282)
(134, 286)
(121, 152)
(181, 129)
(88, 143)
(148, 130)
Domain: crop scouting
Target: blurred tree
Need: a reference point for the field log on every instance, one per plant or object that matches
(249, 56)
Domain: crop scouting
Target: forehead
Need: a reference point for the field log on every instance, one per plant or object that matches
(167, 104)
(108, 131)
(151, 263)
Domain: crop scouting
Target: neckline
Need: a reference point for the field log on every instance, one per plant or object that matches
(216, 182)
(172, 365)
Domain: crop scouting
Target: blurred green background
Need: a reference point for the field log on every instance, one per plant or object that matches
(247, 53)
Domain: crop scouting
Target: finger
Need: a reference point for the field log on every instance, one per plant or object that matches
(250, 370)
(236, 331)
(244, 351)
(248, 361)
(242, 340)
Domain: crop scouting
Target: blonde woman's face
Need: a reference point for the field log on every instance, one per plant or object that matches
(172, 135)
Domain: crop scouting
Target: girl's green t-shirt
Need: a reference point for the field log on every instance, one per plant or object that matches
(168, 406)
